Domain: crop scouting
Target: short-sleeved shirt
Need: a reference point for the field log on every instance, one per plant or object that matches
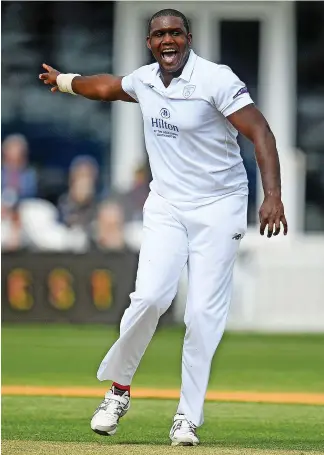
(192, 147)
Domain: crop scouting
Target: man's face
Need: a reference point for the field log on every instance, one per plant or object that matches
(14, 154)
(169, 43)
(82, 183)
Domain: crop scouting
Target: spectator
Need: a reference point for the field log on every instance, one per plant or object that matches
(78, 206)
(18, 179)
(12, 236)
(109, 227)
(133, 202)
(134, 199)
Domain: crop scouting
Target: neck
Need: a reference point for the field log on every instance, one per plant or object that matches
(167, 77)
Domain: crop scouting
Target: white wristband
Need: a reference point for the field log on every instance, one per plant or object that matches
(64, 83)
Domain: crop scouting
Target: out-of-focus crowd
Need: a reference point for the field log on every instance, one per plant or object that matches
(82, 220)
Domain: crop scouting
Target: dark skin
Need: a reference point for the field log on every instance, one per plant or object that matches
(101, 87)
(169, 33)
(250, 122)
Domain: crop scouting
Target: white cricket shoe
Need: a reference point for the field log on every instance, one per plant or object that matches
(183, 432)
(107, 415)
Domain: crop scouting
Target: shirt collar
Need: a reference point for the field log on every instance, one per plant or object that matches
(189, 67)
(185, 75)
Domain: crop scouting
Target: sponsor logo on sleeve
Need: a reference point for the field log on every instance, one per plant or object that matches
(240, 92)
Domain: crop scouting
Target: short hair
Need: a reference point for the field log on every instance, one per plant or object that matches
(170, 12)
(82, 160)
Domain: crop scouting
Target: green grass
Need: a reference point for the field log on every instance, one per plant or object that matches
(263, 426)
(69, 355)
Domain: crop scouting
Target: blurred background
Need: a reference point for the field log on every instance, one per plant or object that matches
(75, 175)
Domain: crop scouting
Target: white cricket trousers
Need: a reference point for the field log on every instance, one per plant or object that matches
(207, 238)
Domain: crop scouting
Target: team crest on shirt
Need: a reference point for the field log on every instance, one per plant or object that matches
(188, 90)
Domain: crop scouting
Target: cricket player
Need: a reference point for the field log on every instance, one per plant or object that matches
(195, 214)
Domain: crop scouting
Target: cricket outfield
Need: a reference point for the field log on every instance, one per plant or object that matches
(265, 397)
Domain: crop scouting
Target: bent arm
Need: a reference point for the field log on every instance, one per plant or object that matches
(251, 123)
(104, 87)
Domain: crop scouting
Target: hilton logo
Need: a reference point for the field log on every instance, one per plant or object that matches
(164, 113)
(158, 123)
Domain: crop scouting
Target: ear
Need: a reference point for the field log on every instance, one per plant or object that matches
(189, 36)
(148, 42)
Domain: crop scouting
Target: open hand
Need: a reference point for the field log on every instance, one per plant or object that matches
(50, 77)
(272, 213)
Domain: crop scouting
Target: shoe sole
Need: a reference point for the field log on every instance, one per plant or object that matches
(184, 443)
(105, 432)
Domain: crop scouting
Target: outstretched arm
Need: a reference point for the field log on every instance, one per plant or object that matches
(251, 123)
(102, 87)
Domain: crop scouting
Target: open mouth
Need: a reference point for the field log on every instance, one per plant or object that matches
(169, 55)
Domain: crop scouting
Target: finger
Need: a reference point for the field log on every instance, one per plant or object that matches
(270, 228)
(263, 223)
(285, 224)
(43, 76)
(277, 226)
(54, 89)
(47, 67)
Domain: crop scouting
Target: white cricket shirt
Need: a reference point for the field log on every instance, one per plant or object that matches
(192, 148)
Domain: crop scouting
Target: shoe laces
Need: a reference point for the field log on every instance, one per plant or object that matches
(184, 424)
(113, 402)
